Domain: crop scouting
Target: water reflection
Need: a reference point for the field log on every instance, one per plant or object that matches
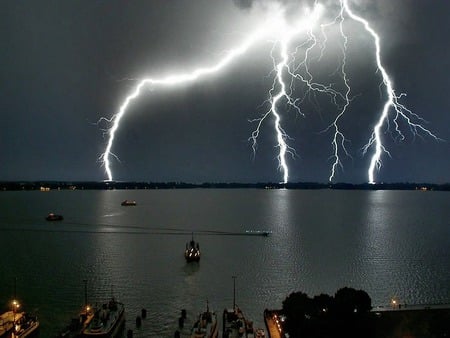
(379, 255)
(284, 257)
(191, 268)
(109, 202)
(385, 242)
(279, 209)
(395, 247)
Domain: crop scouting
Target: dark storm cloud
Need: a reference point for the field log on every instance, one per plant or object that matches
(66, 64)
(294, 4)
(246, 4)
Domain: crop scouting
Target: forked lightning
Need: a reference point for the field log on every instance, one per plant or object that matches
(294, 46)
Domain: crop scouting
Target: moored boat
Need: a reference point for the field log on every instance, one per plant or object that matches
(206, 325)
(15, 324)
(192, 252)
(7, 320)
(235, 325)
(107, 321)
(77, 325)
(26, 326)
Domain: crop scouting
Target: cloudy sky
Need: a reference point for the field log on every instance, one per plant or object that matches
(66, 64)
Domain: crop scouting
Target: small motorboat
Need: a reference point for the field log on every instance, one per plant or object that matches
(54, 217)
(127, 203)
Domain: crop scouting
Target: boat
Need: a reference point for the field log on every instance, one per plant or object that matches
(26, 326)
(15, 324)
(128, 203)
(192, 252)
(206, 325)
(234, 322)
(107, 321)
(264, 233)
(77, 325)
(54, 217)
(7, 320)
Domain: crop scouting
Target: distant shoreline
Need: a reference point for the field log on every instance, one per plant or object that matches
(120, 185)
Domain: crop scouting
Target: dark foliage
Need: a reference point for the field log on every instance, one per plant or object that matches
(347, 314)
(348, 301)
(297, 306)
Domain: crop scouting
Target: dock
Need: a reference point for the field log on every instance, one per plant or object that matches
(271, 319)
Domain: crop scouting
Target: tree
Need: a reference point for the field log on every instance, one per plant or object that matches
(348, 301)
(296, 307)
(344, 315)
(322, 304)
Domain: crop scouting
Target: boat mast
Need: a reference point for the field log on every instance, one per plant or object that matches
(15, 282)
(234, 293)
(15, 304)
(85, 293)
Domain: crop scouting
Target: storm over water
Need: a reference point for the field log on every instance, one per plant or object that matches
(388, 243)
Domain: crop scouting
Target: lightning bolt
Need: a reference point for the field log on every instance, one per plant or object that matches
(293, 47)
(392, 103)
(274, 98)
(301, 72)
(276, 24)
(167, 81)
(339, 139)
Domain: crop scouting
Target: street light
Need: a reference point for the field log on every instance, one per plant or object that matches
(15, 306)
(394, 303)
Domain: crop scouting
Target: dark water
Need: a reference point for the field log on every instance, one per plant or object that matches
(388, 243)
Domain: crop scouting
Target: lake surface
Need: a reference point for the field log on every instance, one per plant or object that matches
(388, 243)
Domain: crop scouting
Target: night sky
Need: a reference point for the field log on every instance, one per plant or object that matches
(66, 64)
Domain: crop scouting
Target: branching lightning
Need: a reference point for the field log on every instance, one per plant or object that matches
(168, 81)
(392, 102)
(292, 52)
(283, 92)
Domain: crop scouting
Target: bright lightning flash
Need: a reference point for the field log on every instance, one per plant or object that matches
(168, 81)
(393, 102)
(295, 44)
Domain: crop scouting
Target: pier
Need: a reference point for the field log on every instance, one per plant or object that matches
(272, 321)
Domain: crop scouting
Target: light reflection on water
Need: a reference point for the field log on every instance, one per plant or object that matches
(389, 243)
